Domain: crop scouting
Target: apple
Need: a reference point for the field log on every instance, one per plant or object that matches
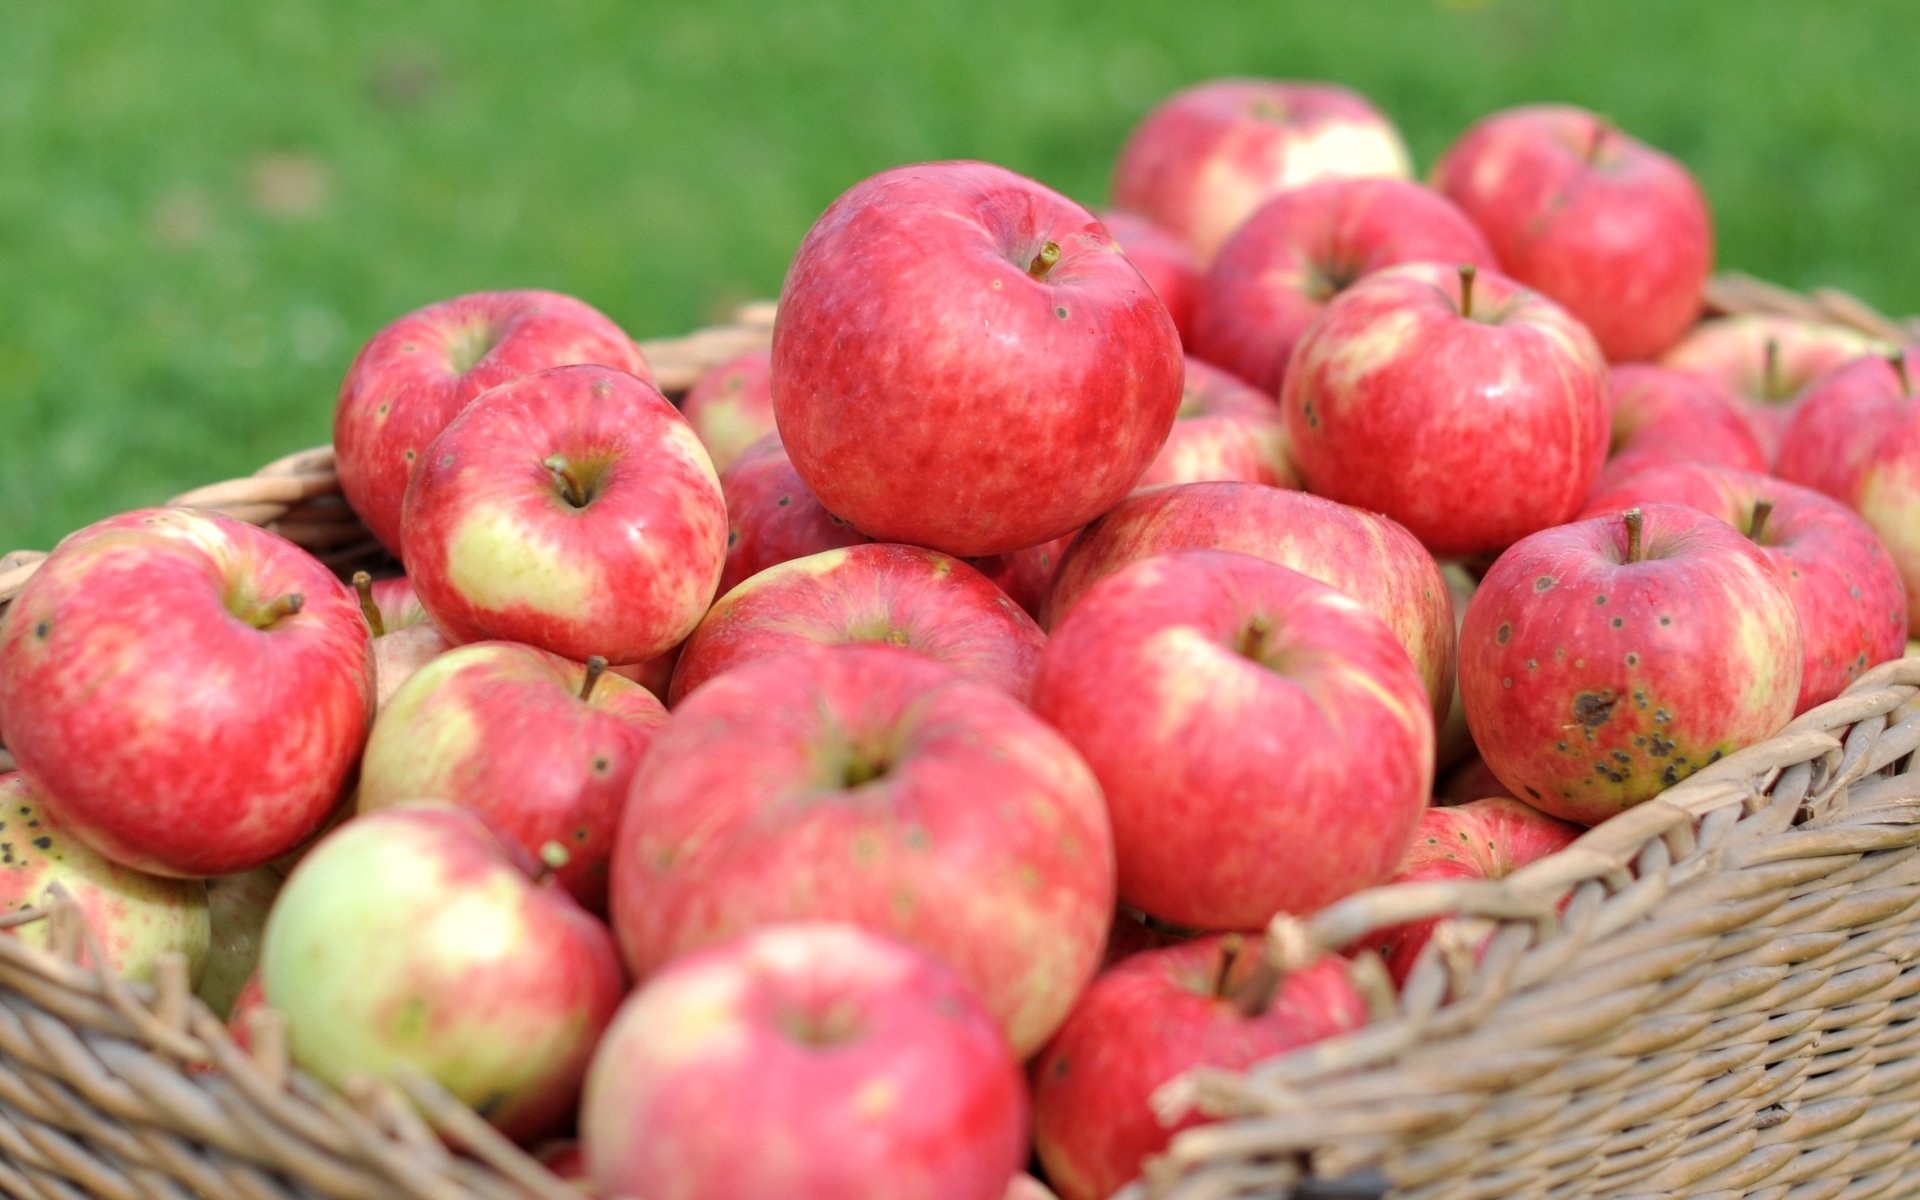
(1224, 429)
(964, 360)
(573, 510)
(1767, 362)
(415, 937)
(1207, 156)
(771, 516)
(1026, 1187)
(1460, 404)
(809, 1061)
(541, 747)
(1603, 661)
(568, 1162)
(249, 1000)
(1857, 439)
(404, 637)
(1134, 931)
(1150, 1020)
(1274, 276)
(237, 907)
(1845, 587)
(416, 375)
(868, 784)
(1661, 415)
(919, 599)
(1025, 574)
(1454, 741)
(136, 918)
(1609, 227)
(1369, 557)
(1162, 258)
(731, 406)
(186, 691)
(1471, 779)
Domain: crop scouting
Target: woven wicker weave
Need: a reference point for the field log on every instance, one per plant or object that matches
(1728, 1004)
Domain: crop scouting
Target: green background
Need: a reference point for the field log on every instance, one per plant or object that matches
(207, 205)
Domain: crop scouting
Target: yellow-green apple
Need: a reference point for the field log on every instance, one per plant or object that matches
(419, 372)
(1162, 258)
(573, 510)
(1275, 275)
(1369, 557)
(1204, 158)
(1661, 415)
(540, 746)
(1151, 1019)
(186, 691)
(1211, 690)
(907, 596)
(1223, 430)
(136, 918)
(771, 516)
(1470, 780)
(1603, 661)
(404, 637)
(810, 1061)
(1464, 406)
(1857, 439)
(1611, 228)
(1845, 586)
(1453, 740)
(731, 406)
(1767, 362)
(237, 906)
(951, 335)
(869, 784)
(416, 938)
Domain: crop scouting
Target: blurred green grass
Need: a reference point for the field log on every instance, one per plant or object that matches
(206, 206)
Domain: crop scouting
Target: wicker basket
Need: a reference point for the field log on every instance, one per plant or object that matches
(1727, 1005)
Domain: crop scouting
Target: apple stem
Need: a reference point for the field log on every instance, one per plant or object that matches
(1043, 261)
(551, 858)
(1762, 509)
(596, 667)
(1898, 361)
(278, 607)
(1602, 130)
(1230, 947)
(569, 481)
(1255, 994)
(363, 587)
(1633, 518)
(1772, 381)
(1467, 272)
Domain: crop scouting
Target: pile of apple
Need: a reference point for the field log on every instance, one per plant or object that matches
(884, 763)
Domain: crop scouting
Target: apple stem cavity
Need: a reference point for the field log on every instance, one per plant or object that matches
(596, 667)
(363, 588)
(1762, 509)
(1633, 517)
(1898, 361)
(271, 612)
(1043, 261)
(1230, 947)
(1255, 994)
(571, 487)
(1467, 272)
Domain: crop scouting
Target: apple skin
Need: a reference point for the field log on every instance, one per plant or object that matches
(1369, 557)
(416, 375)
(924, 379)
(1845, 586)
(1207, 156)
(406, 640)
(1026, 1187)
(1026, 574)
(907, 596)
(497, 549)
(731, 406)
(1611, 228)
(1593, 684)
(1274, 276)
(416, 937)
(1856, 438)
(1472, 431)
(136, 917)
(1211, 690)
(1144, 1023)
(250, 999)
(809, 1061)
(133, 614)
(750, 809)
(1733, 353)
(237, 907)
(1471, 779)
(1661, 415)
(771, 516)
(1224, 429)
(1453, 740)
(1162, 258)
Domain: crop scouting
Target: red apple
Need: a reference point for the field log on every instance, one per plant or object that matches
(1767, 362)
(1453, 740)
(404, 637)
(905, 596)
(1204, 158)
(1604, 661)
(1162, 259)
(810, 1061)
(1467, 408)
(1025, 575)
(541, 747)
(1223, 430)
(1275, 275)
(949, 336)
(1606, 225)
(867, 784)
(573, 510)
(1150, 1020)
(237, 907)
(731, 406)
(415, 937)
(1472, 779)
(187, 692)
(771, 516)
(1368, 557)
(1845, 587)
(1661, 415)
(416, 375)
(251, 999)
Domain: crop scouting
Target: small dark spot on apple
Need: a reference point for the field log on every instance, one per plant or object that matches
(409, 456)
(784, 501)
(1543, 583)
(733, 538)
(1501, 634)
(601, 765)
(1561, 746)
(1531, 791)
(1666, 620)
(1659, 747)
(43, 842)
(1464, 837)
(1433, 841)
(1599, 599)
(1662, 715)
(1061, 312)
(1593, 709)
(1059, 1067)
(1507, 682)
(1533, 664)
(446, 460)
(409, 347)
(1619, 621)
(580, 833)
(1622, 756)
(1670, 776)
(1633, 660)
(382, 410)
(1714, 757)
(42, 629)
(1854, 592)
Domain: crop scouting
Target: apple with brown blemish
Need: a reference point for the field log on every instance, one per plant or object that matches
(1276, 274)
(237, 907)
(416, 938)
(542, 747)
(1162, 258)
(404, 637)
(868, 784)
(1767, 363)
(1207, 156)
(1845, 586)
(187, 692)
(416, 375)
(731, 406)
(573, 510)
(1661, 415)
(1210, 690)
(1603, 661)
(1224, 429)
(810, 1061)
(880, 592)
